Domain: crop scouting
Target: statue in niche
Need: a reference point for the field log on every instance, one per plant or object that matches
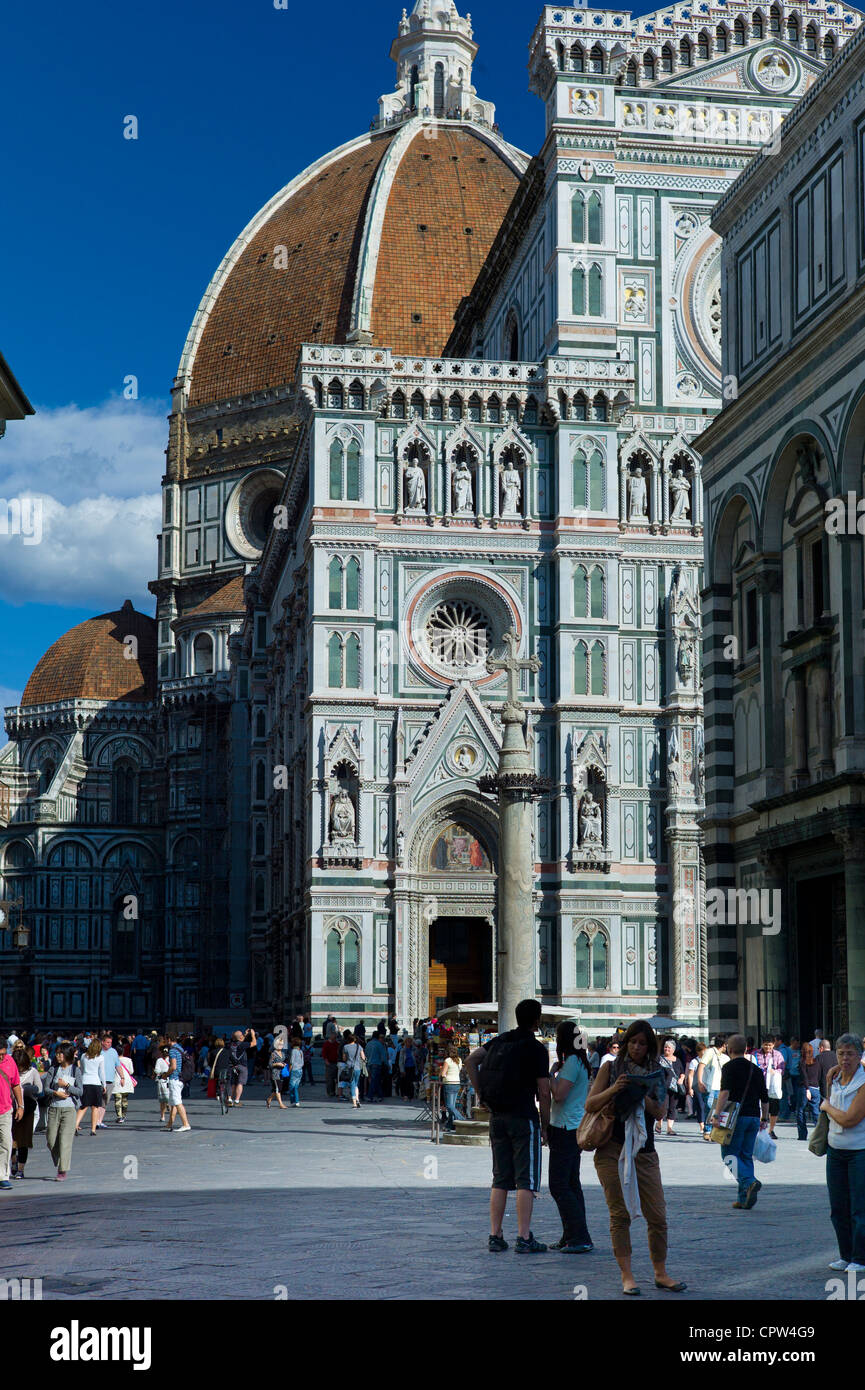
(415, 487)
(591, 830)
(674, 763)
(511, 490)
(342, 818)
(700, 768)
(400, 844)
(680, 495)
(463, 499)
(685, 660)
(637, 496)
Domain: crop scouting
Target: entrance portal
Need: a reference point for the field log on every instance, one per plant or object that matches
(821, 941)
(460, 962)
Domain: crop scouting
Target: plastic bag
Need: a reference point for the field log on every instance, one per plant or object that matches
(765, 1149)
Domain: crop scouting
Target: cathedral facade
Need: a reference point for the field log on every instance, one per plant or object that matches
(438, 393)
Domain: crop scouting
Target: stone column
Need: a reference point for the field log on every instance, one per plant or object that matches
(516, 785)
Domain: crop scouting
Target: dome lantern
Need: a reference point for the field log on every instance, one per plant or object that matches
(434, 52)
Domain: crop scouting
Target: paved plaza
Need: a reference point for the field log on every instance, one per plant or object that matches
(261, 1204)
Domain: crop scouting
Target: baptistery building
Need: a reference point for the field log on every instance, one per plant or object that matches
(440, 393)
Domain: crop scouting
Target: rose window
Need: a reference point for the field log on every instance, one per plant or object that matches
(457, 636)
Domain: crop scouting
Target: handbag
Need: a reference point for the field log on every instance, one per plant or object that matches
(819, 1141)
(596, 1129)
(286, 1071)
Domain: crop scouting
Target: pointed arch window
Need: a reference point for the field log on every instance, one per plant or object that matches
(793, 30)
(352, 662)
(721, 39)
(578, 58)
(649, 66)
(336, 470)
(124, 780)
(600, 407)
(811, 39)
(686, 53)
(578, 291)
(599, 961)
(334, 582)
(581, 669)
(775, 20)
(739, 32)
(581, 479)
(597, 58)
(352, 584)
(596, 669)
(202, 655)
(578, 217)
(352, 471)
(667, 58)
(703, 45)
(595, 291)
(335, 395)
(581, 407)
(757, 26)
(596, 481)
(583, 961)
(829, 48)
(342, 959)
(596, 219)
(581, 592)
(596, 593)
(334, 660)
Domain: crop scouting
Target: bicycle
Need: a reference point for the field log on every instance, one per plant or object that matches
(223, 1092)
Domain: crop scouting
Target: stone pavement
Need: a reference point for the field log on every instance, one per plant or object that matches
(261, 1204)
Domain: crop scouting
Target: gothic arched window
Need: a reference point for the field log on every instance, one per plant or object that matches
(333, 959)
(581, 592)
(352, 584)
(596, 669)
(590, 961)
(649, 65)
(352, 662)
(595, 291)
(578, 291)
(351, 960)
(596, 232)
(259, 781)
(596, 481)
(334, 660)
(596, 593)
(342, 959)
(124, 783)
(578, 217)
(581, 480)
(259, 840)
(703, 44)
(757, 26)
(334, 582)
(599, 961)
(352, 471)
(583, 961)
(581, 669)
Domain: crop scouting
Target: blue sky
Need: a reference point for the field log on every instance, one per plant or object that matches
(108, 244)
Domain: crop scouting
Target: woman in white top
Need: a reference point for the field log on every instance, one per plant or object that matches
(122, 1089)
(450, 1076)
(845, 1156)
(160, 1071)
(94, 1093)
(354, 1058)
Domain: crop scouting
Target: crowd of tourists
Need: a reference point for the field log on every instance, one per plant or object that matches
(613, 1099)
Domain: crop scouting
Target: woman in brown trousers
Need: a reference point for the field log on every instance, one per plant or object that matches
(627, 1165)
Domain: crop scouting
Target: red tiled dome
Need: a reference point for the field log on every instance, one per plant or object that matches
(415, 215)
(89, 663)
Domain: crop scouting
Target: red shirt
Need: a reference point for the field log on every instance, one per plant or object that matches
(330, 1050)
(9, 1077)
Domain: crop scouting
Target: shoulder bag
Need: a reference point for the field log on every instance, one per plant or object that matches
(723, 1133)
(596, 1129)
(819, 1141)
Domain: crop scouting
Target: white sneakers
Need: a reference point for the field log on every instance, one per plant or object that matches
(838, 1264)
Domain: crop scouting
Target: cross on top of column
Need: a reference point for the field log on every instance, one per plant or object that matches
(513, 665)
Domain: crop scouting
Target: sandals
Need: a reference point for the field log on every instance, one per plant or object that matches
(671, 1288)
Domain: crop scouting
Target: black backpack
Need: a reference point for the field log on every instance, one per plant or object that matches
(187, 1067)
(500, 1073)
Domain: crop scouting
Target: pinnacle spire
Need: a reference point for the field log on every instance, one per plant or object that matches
(434, 51)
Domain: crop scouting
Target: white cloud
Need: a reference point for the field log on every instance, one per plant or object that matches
(97, 474)
(8, 696)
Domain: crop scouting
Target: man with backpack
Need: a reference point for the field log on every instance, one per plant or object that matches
(174, 1078)
(511, 1075)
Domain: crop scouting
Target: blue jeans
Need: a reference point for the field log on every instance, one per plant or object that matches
(739, 1153)
(354, 1083)
(699, 1107)
(374, 1081)
(709, 1098)
(806, 1108)
(845, 1179)
(449, 1095)
(294, 1086)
